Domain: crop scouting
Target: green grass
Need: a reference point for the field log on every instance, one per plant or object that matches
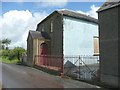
(6, 60)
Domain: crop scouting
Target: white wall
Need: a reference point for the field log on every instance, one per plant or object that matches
(78, 36)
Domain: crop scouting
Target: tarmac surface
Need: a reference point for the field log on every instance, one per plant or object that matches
(17, 76)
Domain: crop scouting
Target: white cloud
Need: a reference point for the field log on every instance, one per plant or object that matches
(0, 27)
(92, 11)
(16, 24)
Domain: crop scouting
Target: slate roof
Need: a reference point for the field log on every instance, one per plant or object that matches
(77, 15)
(69, 64)
(39, 35)
(73, 14)
(109, 4)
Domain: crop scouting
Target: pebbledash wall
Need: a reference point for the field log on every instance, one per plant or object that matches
(78, 36)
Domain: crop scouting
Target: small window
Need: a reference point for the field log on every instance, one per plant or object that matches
(51, 26)
(96, 45)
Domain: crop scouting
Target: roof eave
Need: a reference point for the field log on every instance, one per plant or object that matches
(28, 35)
(93, 21)
(108, 8)
(54, 12)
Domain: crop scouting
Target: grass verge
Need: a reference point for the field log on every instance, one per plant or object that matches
(6, 60)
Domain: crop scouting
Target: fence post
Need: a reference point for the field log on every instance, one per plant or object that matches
(79, 67)
(34, 62)
(62, 67)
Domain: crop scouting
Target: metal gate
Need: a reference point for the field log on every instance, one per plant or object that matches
(82, 67)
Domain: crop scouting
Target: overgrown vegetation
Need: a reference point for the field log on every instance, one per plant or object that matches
(15, 53)
(6, 60)
(10, 55)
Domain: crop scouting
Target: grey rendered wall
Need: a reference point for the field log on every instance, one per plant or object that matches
(108, 27)
(78, 37)
(56, 36)
(119, 41)
(29, 51)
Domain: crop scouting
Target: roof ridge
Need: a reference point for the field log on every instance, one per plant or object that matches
(38, 34)
(109, 4)
(78, 15)
(72, 11)
(34, 31)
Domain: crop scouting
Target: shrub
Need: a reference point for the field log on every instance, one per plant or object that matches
(5, 53)
(16, 53)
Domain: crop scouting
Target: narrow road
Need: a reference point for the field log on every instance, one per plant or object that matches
(16, 76)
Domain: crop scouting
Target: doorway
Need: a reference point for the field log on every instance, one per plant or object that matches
(43, 54)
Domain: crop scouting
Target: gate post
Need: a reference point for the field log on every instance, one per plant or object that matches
(79, 67)
(62, 67)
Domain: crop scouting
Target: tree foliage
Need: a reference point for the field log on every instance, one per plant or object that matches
(16, 53)
(4, 43)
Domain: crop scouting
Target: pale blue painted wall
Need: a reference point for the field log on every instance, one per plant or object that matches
(78, 36)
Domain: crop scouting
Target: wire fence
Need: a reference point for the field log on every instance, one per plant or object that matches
(79, 67)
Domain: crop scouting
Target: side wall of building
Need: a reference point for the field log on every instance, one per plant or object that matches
(78, 36)
(55, 32)
(108, 26)
(29, 50)
(119, 40)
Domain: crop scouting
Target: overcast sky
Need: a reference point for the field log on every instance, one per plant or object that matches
(17, 18)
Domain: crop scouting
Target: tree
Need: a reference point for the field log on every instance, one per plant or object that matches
(5, 43)
(15, 53)
(18, 51)
(0, 44)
